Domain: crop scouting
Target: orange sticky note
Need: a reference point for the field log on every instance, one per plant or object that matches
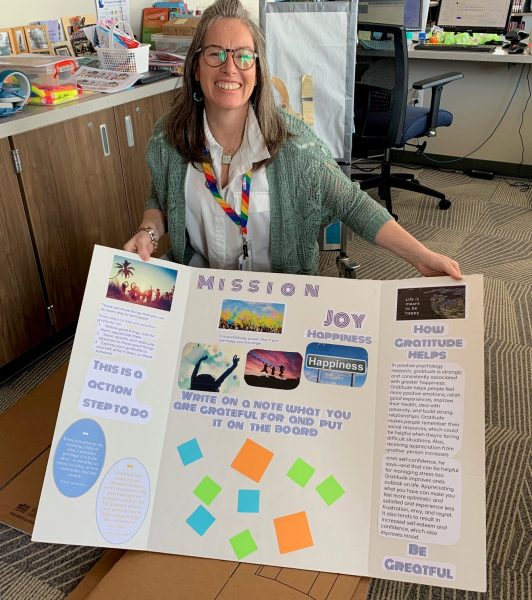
(252, 460)
(293, 532)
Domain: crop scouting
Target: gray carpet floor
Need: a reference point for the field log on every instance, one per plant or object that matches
(488, 230)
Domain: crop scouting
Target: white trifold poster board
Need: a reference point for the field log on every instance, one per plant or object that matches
(316, 39)
(317, 423)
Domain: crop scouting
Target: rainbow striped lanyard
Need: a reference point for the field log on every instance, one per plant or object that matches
(242, 220)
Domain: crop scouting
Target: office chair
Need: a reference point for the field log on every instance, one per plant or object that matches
(382, 118)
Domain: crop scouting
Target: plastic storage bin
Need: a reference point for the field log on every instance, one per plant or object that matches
(43, 70)
(171, 43)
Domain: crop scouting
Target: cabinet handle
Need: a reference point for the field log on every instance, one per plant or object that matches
(105, 140)
(129, 131)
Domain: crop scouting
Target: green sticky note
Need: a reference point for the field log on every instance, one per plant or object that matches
(243, 544)
(301, 472)
(207, 490)
(330, 490)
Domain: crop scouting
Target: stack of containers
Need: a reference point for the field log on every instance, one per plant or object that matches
(176, 35)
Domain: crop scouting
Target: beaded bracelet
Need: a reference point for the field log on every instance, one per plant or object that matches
(153, 236)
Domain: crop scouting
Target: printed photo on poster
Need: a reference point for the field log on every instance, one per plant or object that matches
(424, 303)
(339, 365)
(273, 369)
(141, 283)
(264, 317)
(209, 368)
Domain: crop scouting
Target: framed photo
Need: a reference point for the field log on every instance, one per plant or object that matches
(81, 43)
(75, 23)
(55, 31)
(37, 37)
(7, 43)
(63, 48)
(19, 35)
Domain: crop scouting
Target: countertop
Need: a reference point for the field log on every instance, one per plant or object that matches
(35, 117)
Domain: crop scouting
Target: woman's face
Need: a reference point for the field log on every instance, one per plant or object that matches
(226, 87)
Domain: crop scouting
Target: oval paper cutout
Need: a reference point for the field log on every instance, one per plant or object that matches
(123, 500)
(78, 459)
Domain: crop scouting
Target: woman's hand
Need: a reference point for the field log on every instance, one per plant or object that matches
(394, 238)
(141, 244)
(432, 264)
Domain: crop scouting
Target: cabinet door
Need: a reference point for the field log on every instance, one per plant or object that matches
(134, 123)
(74, 189)
(23, 319)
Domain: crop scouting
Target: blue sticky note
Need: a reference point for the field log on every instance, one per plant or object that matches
(189, 452)
(248, 501)
(200, 520)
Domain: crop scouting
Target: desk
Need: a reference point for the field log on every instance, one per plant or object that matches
(499, 56)
(478, 102)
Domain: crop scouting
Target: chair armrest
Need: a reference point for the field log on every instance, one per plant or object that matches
(430, 82)
(435, 84)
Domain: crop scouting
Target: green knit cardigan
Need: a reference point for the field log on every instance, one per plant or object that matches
(307, 190)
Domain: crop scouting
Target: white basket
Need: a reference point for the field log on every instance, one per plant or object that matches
(118, 58)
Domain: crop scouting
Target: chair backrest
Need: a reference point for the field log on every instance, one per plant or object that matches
(381, 87)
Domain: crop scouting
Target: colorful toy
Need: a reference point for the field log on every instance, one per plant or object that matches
(14, 92)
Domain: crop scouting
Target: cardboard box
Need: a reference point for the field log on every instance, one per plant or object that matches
(27, 429)
(26, 434)
(141, 575)
(182, 27)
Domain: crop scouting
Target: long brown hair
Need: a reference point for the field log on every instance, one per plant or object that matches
(184, 125)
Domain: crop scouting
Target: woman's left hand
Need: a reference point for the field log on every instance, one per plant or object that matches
(431, 264)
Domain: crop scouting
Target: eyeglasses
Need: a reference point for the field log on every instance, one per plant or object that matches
(215, 56)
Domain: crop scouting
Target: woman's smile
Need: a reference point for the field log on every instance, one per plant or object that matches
(226, 87)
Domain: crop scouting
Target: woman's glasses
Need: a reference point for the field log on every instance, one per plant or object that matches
(215, 56)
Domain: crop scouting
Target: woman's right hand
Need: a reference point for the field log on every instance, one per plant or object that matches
(141, 244)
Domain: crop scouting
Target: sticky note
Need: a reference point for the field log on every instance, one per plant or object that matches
(207, 490)
(248, 501)
(330, 490)
(189, 452)
(200, 520)
(301, 472)
(293, 532)
(243, 544)
(252, 460)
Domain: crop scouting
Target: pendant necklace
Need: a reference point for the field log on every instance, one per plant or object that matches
(226, 159)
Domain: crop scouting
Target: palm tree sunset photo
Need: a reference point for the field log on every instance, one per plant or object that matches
(141, 283)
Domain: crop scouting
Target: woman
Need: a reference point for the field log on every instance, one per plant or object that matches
(223, 138)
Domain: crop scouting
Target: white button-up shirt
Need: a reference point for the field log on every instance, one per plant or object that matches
(213, 235)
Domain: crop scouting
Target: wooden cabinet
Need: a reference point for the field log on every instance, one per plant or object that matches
(23, 317)
(82, 181)
(72, 179)
(134, 123)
